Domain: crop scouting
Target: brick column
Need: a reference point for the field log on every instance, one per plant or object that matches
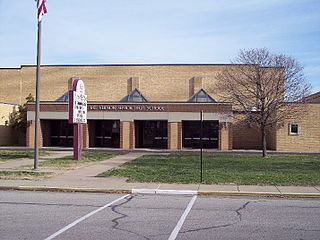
(230, 126)
(85, 135)
(179, 135)
(31, 134)
(126, 135)
(174, 135)
(224, 136)
(46, 132)
(132, 136)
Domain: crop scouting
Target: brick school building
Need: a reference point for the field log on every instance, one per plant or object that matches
(154, 106)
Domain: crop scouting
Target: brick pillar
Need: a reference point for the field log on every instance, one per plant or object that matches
(179, 135)
(132, 136)
(133, 83)
(174, 135)
(224, 138)
(126, 135)
(46, 132)
(31, 134)
(85, 135)
(195, 84)
(230, 136)
(40, 134)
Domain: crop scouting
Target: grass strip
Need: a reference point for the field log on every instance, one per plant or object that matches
(222, 169)
(7, 155)
(24, 175)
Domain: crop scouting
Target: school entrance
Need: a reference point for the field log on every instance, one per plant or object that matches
(104, 133)
(151, 134)
(191, 134)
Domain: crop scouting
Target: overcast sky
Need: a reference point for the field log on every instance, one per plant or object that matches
(160, 31)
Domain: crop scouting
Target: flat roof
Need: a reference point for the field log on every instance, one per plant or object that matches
(125, 65)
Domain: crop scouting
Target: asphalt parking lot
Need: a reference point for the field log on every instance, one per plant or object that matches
(48, 215)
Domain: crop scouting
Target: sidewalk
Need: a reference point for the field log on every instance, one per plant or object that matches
(83, 179)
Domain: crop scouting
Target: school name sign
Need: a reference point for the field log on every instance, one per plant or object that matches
(135, 108)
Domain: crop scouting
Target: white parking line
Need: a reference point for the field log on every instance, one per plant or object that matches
(176, 230)
(83, 218)
(163, 191)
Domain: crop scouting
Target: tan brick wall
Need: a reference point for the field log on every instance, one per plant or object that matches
(8, 136)
(244, 135)
(133, 83)
(230, 136)
(11, 86)
(109, 83)
(132, 138)
(156, 83)
(197, 85)
(30, 136)
(5, 112)
(308, 139)
(125, 135)
(224, 136)
(179, 135)
(174, 136)
(272, 139)
(85, 140)
(46, 132)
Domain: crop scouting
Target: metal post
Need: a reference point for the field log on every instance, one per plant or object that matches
(37, 121)
(201, 133)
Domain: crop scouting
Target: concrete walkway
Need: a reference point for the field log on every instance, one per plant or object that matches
(83, 179)
(85, 173)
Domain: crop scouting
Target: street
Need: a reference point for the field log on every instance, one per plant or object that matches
(52, 215)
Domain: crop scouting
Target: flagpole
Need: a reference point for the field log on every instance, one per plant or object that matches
(37, 120)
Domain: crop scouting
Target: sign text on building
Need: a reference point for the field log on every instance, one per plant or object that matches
(135, 108)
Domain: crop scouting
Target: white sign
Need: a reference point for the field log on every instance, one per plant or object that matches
(79, 104)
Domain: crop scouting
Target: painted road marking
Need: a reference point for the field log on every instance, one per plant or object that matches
(84, 217)
(143, 191)
(176, 230)
(176, 192)
(163, 191)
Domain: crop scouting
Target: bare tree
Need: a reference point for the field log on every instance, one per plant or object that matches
(265, 87)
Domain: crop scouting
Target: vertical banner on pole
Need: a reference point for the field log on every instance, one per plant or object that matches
(77, 114)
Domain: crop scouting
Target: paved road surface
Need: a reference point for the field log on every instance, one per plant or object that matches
(41, 215)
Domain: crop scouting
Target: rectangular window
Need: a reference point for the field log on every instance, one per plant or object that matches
(293, 129)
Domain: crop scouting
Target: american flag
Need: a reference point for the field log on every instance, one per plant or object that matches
(41, 9)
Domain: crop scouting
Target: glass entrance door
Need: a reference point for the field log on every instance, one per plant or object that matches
(61, 133)
(191, 134)
(107, 133)
(151, 134)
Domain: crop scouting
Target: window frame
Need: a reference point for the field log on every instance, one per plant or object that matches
(291, 133)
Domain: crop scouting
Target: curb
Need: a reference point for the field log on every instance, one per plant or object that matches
(161, 192)
(261, 194)
(61, 189)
